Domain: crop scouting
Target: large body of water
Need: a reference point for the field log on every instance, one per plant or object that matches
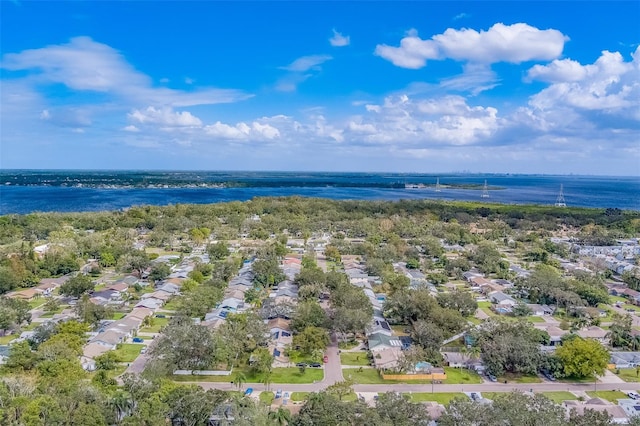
(26, 191)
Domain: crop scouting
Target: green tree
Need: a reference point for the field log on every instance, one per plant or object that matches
(583, 357)
(308, 313)
(340, 389)
(398, 410)
(461, 301)
(218, 251)
(310, 339)
(159, 271)
(77, 286)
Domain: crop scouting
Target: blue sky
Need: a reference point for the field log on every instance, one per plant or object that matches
(517, 87)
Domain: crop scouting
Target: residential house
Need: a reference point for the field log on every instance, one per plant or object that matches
(150, 303)
(618, 413)
(109, 338)
(540, 310)
(158, 294)
(457, 359)
(140, 313)
(95, 349)
(169, 288)
(232, 304)
(379, 326)
(27, 294)
(593, 332)
(386, 358)
(631, 407)
(120, 287)
(380, 341)
(501, 299)
(555, 334)
(625, 359)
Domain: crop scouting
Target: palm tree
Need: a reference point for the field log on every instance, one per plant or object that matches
(281, 417)
(122, 405)
(266, 380)
(240, 379)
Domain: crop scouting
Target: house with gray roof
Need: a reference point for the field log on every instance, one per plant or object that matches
(379, 341)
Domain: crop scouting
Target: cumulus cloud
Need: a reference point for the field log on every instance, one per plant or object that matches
(242, 131)
(610, 85)
(131, 128)
(306, 63)
(501, 43)
(86, 65)
(339, 40)
(164, 117)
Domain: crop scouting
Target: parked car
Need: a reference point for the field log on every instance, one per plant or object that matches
(138, 340)
(315, 365)
(278, 393)
(301, 364)
(492, 378)
(160, 316)
(475, 396)
(548, 375)
(248, 392)
(143, 350)
(633, 395)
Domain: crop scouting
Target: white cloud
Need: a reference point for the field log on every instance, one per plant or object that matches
(164, 117)
(339, 40)
(242, 131)
(45, 115)
(501, 43)
(461, 16)
(131, 128)
(475, 79)
(609, 85)
(306, 63)
(86, 65)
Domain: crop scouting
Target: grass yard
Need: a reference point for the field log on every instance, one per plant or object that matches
(37, 302)
(517, 378)
(612, 396)
(128, 352)
(6, 339)
(370, 376)
(190, 378)
(299, 396)
(560, 396)
(576, 380)
(443, 398)
(172, 305)
(628, 375)
(350, 397)
(461, 376)
(266, 397)
(289, 375)
(492, 395)
(118, 315)
(348, 345)
(354, 358)
(399, 329)
(535, 319)
(158, 323)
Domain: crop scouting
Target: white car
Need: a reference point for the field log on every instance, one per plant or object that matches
(633, 395)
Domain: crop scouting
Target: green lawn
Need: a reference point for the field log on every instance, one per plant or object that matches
(560, 396)
(443, 398)
(370, 376)
(399, 330)
(612, 396)
(461, 376)
(37, 302)
(299, 396)
(517, 378)
(350, 397)
(354, 358)
(6, 339)
(628, 375)
(118, 315)
(289, 375)
(266, 397)
(576, 380)
(172, 305)
(535, 319)
(491, 395)
(128, 352)
(348, 345)
(158, 323)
